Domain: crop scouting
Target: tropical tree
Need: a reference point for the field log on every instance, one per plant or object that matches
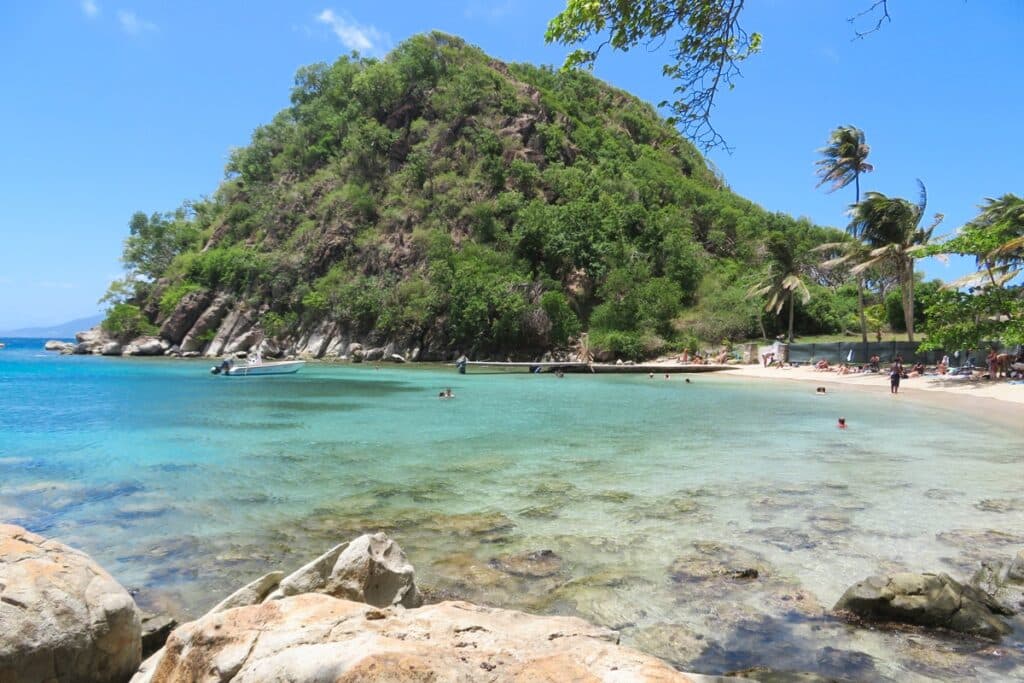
(784, 279)
(992, 306)
(843, 160)
(891, 227)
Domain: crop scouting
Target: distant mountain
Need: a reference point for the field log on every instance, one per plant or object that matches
(60, 331)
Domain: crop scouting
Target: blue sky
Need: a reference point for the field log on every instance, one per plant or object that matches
(112, 107)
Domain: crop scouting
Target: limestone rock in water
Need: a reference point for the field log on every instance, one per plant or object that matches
(63, 619)
(1016, 571)
(111, 348)
(145, 346)
(371, 569)
(933, 600)
(997, 579)
(319, 638)
(56, 345)
(252, 594)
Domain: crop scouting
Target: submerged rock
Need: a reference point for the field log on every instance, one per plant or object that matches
(932, 600)
(316, 637)
(716, 562)
(677, 644)
(537, 564)
(63, 619)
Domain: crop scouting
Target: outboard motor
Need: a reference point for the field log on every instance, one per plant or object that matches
(224, 366)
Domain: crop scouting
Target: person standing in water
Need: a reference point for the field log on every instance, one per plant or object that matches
(895, 372)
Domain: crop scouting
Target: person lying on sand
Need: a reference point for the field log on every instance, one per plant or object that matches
(823, 365)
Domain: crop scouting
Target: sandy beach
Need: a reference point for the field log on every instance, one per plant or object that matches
(998, 401)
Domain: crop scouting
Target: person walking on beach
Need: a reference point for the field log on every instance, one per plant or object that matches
(895, 372)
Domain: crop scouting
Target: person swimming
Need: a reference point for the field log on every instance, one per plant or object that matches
(820, 390)
(842, 423)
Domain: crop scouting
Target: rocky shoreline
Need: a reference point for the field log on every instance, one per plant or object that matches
(356, 613)
(206, 325)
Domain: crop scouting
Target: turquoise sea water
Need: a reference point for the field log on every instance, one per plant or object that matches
(185, 485)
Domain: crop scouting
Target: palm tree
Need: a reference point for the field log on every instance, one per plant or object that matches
(890, 226)
(784, 280)
(842, 162)
(844, 159)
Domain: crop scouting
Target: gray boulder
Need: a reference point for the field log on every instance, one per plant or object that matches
(111, 348)
(63, 619)
(932, 600)
(371, 569)
(207, 324)
(145, 346)
(55, 345)
(185, 315)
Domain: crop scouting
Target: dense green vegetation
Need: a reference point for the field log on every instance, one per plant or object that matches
(438, 198)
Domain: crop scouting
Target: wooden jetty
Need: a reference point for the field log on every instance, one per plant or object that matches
(579, 366)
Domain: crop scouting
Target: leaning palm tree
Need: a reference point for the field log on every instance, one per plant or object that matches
(844, 159)
(783, 281)
(891, 227)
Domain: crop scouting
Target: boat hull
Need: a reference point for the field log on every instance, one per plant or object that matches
(289, 367)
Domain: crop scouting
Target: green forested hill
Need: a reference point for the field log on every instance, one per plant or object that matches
(440, 199)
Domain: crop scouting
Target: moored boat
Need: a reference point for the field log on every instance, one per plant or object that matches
(256, 367)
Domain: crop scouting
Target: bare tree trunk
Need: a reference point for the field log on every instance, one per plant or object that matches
(908, 299)
(791, 317)
(860, 310)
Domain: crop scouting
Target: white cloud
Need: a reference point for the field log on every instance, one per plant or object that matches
(352, 34)
(489, 11)
(132, 24)
(90, 8)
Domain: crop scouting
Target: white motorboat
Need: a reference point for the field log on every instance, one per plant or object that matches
(255, 367)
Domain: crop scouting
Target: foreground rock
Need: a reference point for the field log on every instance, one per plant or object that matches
(62, 617)
(933, 600)
(315, 637)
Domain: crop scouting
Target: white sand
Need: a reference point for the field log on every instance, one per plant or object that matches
(999, 401)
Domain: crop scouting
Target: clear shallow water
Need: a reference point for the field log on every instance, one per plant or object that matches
(185, 485)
